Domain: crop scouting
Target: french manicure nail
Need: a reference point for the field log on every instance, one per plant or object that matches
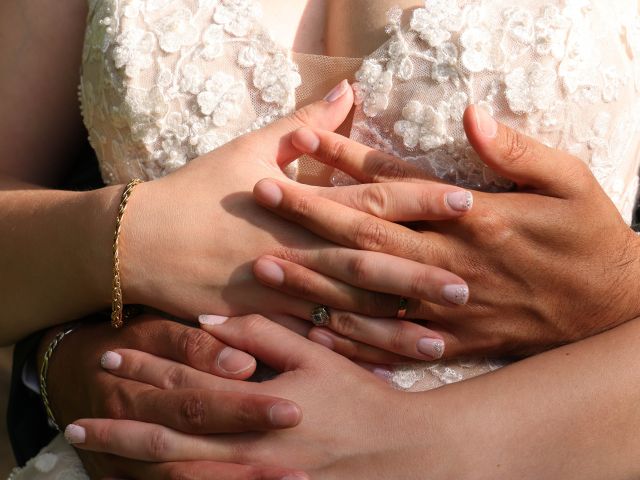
(111, 360)
(269, 272)
(382, 373)
(461, 201)
(284, 414)
(456, 294)
(233, 362)
(75, 434)
(337, 92)
(212, 319)
(323, 339)
(431, 347)
(486, 124)
(306, 140)
(269, 193)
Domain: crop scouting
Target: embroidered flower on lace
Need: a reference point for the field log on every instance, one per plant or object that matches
(520, 24)
(437, 21)
(132, 9)
(133, 50)
(531, 89)
(277, 78)
(222, 98)
(476, 43)
(422, 125)
(192, 79)
(237, 16)
(176, 31)
(446, 66)
(212, 40)
(551, 32)
(400, 62)
(250, 56)
(612, 84)
(372, 87)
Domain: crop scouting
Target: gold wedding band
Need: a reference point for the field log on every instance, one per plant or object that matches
(320, 316)
(402, 308)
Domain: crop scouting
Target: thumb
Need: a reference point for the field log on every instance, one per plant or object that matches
(530, 164)
(327, 114)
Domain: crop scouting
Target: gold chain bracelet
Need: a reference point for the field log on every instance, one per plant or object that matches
(116, 303)
(44, 369)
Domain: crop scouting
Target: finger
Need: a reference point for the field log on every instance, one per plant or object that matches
(188, 345)
(403, 202)
(363, 338)
(372, 272)
(363, 163)
(517, 157)
(234, 406)
(352, 349)
(278, 347)
(346, 226)
(196, 470)
(145, 441)
(327, 114)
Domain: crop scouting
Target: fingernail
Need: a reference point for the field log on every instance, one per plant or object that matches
(461, 201)
(295, 476)
(457, 294)
(75, 434)
(269, 272)
(269, 193)
(486, 124)
(212, 319)
(111, 360)
(284, 414)
(337, 92)
(322, 338)
(431, 347)
(305, 140)
(382, 373)
(233, 362)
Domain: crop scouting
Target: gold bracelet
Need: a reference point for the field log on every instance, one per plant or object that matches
(44, 369)
(116, 303)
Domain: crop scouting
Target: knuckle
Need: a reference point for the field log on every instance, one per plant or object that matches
(157, 444)
(246, 412)
(385, 169)
(174, 378)
(396, 342)
(371, 234)
(102, 436)
(375, 200)
(181, 471)
(345, 324)
(193, 412)
(336, 153)
(426, 201)
(302, 207)
(357, 269)
(115, 404)
(195, 344)
(303, 284)
(300, 117)
(516, 146)
(417, 284)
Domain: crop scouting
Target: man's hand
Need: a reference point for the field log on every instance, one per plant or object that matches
(80, 386)
(550, 263)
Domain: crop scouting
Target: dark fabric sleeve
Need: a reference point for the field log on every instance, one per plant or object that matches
(27, 423)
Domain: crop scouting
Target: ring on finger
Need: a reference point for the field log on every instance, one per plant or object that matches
(402, 307)
(321, 316)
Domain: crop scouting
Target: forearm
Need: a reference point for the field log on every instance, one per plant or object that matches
(55, 252)
(570, 413)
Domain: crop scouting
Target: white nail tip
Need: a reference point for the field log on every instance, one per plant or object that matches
(75, 434)
(212, 319)
(111, 360)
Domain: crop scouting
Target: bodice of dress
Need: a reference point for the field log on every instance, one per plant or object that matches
(165, 81)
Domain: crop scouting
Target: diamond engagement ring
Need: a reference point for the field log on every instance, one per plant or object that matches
(320, 316)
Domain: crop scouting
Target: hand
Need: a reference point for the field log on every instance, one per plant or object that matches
(77, 361)
(551, 263)
(190, 238)
(334, 440)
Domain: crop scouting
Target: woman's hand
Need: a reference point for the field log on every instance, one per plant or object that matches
(77, 361)
(550, 263)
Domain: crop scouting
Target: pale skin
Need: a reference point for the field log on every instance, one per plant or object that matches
(86, 290)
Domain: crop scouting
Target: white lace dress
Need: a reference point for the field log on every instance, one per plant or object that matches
(165, 81)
